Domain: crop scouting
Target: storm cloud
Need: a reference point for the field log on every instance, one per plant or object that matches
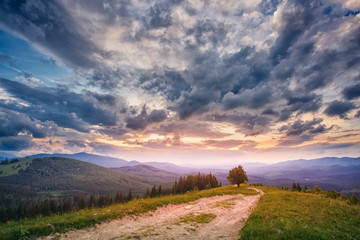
(200, 69)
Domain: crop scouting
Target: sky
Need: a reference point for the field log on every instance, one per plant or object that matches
(189, 82)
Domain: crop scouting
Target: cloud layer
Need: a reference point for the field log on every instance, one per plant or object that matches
(186, 74)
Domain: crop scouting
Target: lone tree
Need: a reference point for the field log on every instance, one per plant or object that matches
(237, 175)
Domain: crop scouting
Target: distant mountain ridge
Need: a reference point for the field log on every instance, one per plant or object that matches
(341, 174)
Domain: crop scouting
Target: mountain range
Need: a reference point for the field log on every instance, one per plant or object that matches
(341, 174)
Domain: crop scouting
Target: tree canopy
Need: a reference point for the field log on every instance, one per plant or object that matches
(237, 175)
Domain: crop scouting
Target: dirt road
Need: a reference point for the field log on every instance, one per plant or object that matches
(229, 214)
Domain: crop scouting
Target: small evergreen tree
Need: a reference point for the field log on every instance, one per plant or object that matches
(20, 211)
(118, 197)
(153, 192)
(101, 201)
(317, 189)
(53, 206)
(67, 206)
(353, 199)
(298, 187)
(147, 194)
(81, 203)
(159, 192)
(92, 201)
(129, 196)
(108, 199)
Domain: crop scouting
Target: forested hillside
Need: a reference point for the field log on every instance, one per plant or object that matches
(57, 176)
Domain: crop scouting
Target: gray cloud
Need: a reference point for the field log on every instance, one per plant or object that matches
(65, 108)
(296, 140)
(268, 7)
(270, 112)
(206, 31)
(339, 108)
(210, 63)
(357, 115)
(196, 129)
(13, 124)
(159, 16)
(351, 92)
(142, 120)
(300, 127)
(296, 17)
(299, 104)
(300, 131)
(253, 99)
(169, 83)
(15, 143)
(250, 125)
(49, 25)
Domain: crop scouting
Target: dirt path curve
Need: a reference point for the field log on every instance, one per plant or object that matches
(166, 222)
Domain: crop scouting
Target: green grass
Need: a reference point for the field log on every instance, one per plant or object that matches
(229, 203)
(202, 218)
(60, 223)
(14, 168)
(294, 215)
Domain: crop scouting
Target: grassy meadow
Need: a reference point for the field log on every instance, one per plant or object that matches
(279, 215)
(293, 215)
(42, 226)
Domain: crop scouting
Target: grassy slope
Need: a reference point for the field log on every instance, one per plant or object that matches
(56, 175)
(14, 168)
(293, 215)
(84, 218)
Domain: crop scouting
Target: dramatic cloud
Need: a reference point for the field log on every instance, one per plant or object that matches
(127, 76)
(66, 108)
